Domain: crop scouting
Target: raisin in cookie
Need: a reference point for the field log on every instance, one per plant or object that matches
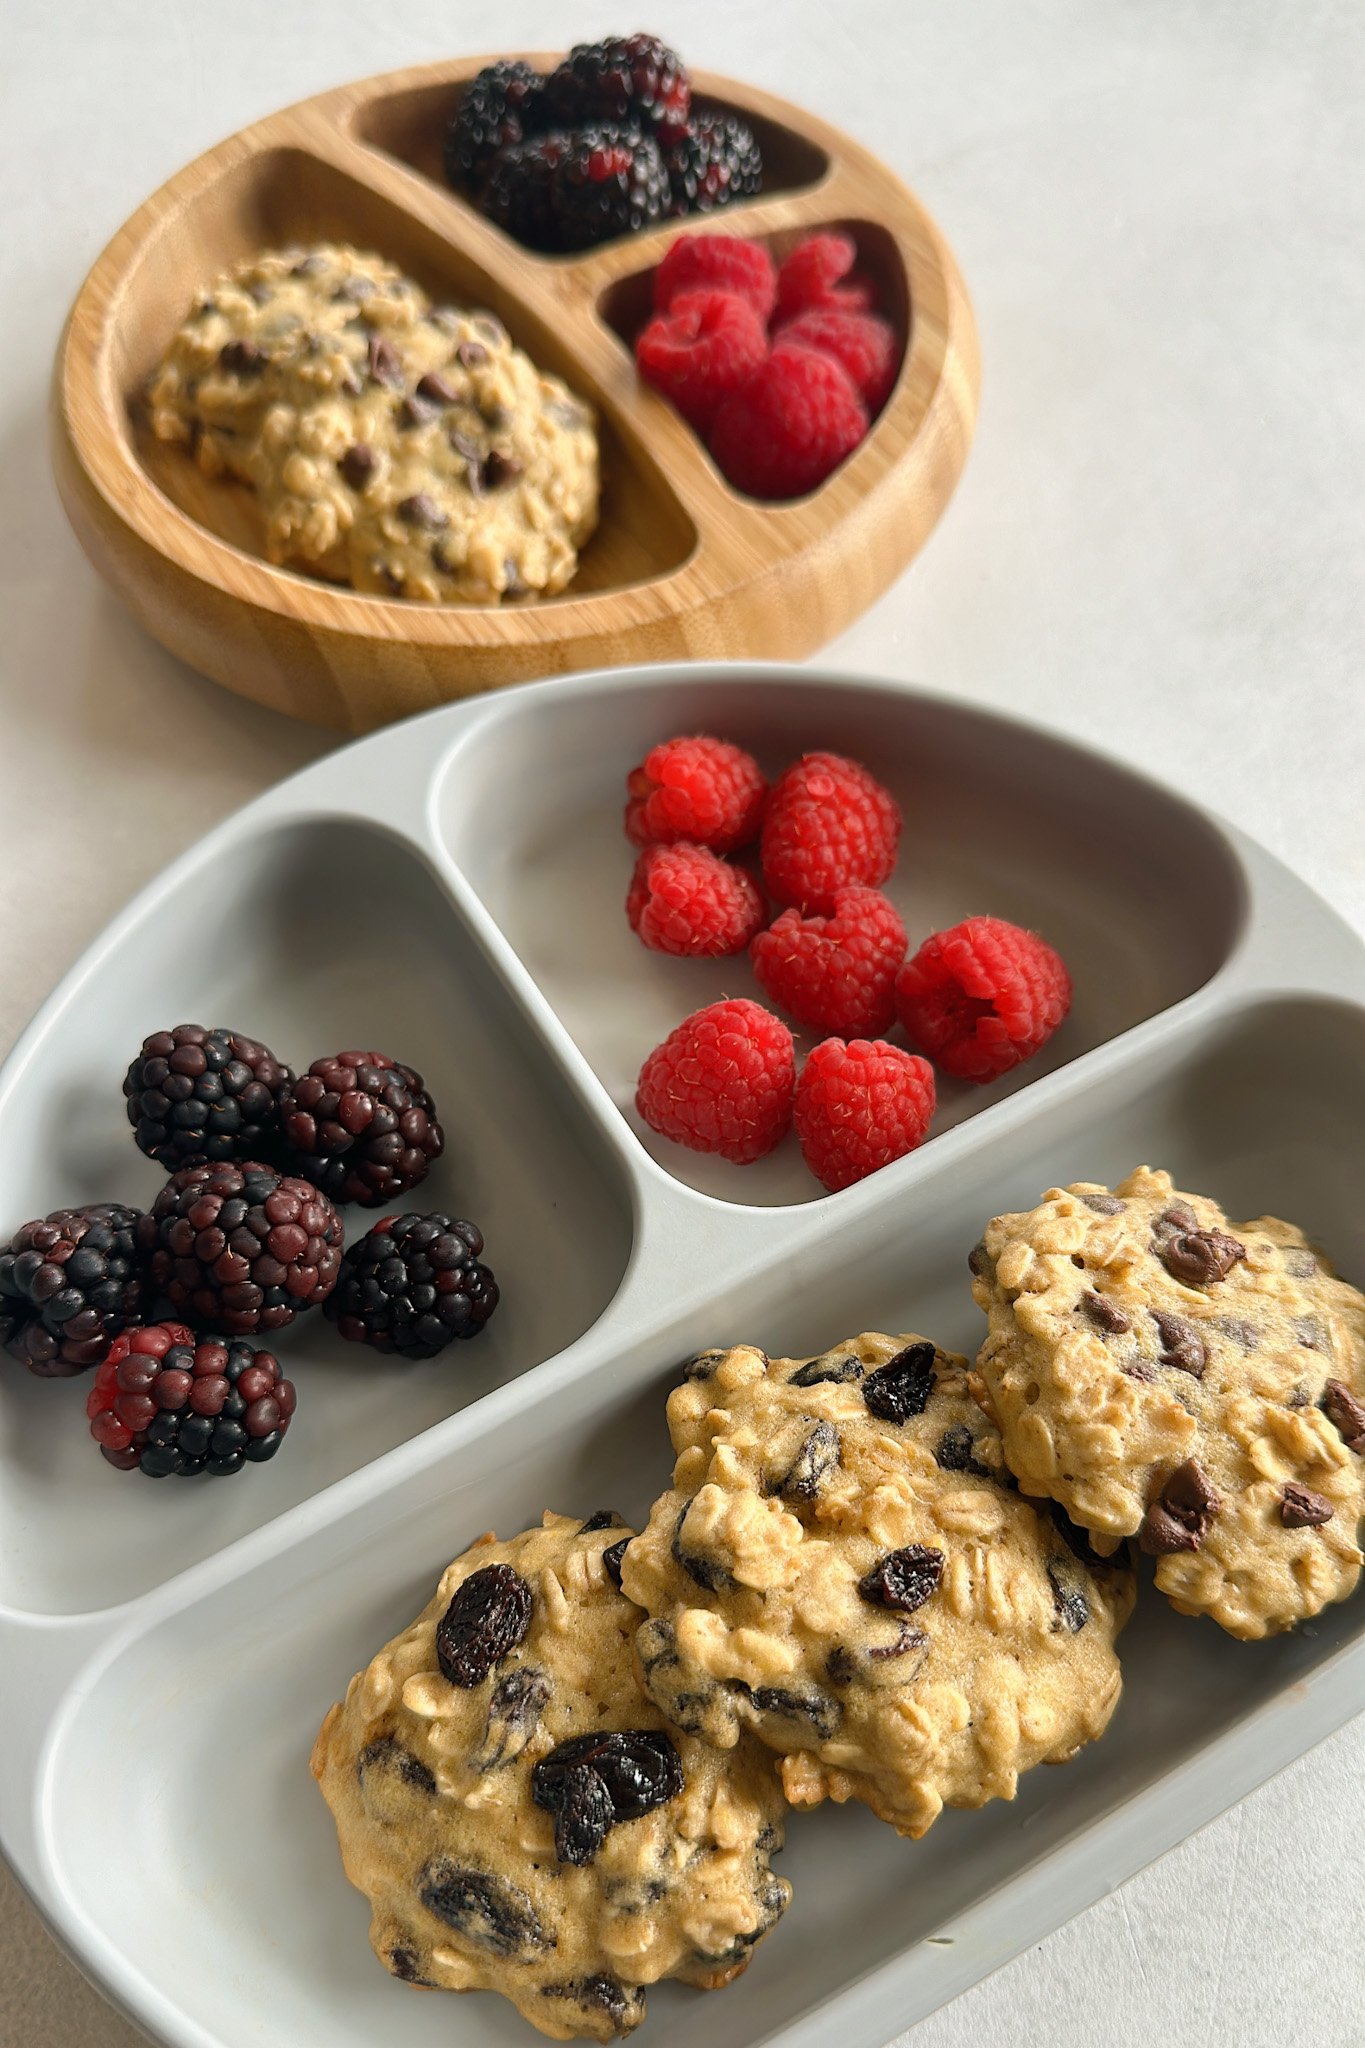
(1164, 1373)
(516, 1811)
(843, 1567)
(405, 448)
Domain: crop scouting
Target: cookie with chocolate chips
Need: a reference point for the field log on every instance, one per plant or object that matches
(1199, 1384)
(519, 1814)
(843, 1567)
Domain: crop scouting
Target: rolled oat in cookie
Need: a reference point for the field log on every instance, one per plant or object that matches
(844, 1569)
(519, 1814)
(1163, 1373)
(409, 450)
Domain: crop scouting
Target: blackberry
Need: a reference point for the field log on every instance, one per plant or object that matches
(412, 1284)
(608, 181)
(516, 194)
(69, 1283)
(715, 163)
(197, 1094)
(633, 81)
(165, 1401)
(240, 1247)
(362, 1127)
(500, 106)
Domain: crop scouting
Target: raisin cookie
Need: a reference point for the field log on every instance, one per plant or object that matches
(517, 1813)
(1164, 1373)
(401, 447)
(844, 1568)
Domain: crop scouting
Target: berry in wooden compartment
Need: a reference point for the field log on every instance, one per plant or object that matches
(499, 107)
(715, 163)
(634, 81)
(607, 182)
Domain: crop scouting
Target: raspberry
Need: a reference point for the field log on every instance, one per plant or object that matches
(982, 997)
(722, 1081)
(829, 825)
(859, 1106)
(835, 973)
(719, 263)
(701, 351)
(812, 278)
(695, 788)
(863, 343)
(412, 1285)
(166, 1401)
(686, 900)
(790, 426)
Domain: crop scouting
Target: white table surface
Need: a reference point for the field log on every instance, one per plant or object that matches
(1159, 543)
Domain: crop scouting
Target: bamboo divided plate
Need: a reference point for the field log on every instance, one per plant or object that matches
(681, 565)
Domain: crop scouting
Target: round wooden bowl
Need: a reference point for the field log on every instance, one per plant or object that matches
(681, 565)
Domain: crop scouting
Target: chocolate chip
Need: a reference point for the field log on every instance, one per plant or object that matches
(1190, 1491)
(1245, 1335)
(1073, 1609)
(418, 412)
(491, 328)
(383, 361)
(260, 293)
(358, 464)
(955, 1451)
(1181, 1344)
(438, 388)
(471, 453)
(1302, 1265)
(1105, 1314)
(1104, 1205)
(421, 509)
(242, 358)
(1161, 1535)
(1310, 1333)
(352, 290)
(444, 318)
(832, 1368)
(901, 1388)
(1302, 1509)
(979, 1260)
(1137, 1368)
(1188, 1503)
(470, 354)
(1199, 1258)
(500, 469)
(1299, 1398)
(903, 1579)
(611, 1561)
(1345, 1413)
(812, 1465)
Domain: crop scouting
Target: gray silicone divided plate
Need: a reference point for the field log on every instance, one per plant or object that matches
(452, 889)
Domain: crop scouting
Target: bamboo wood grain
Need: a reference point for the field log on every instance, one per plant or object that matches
(681, 565)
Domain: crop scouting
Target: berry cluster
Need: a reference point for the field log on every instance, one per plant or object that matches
(781, 368)
(606, 144)
(243, 1238)
(977, 1000)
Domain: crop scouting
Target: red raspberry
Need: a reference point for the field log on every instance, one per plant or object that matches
(791, 425)
(701, 351)
(859, 1106)
(722, 1082)
(816, 275)
(835, 973)
(686, 900)
(829, 825)
(700, 789)
(721, 263)
(863, 343)
(982, 997)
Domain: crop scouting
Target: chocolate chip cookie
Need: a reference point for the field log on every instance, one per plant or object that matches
(1200, 1384)
(843, 1567)
(518, 1813)
(405, 448)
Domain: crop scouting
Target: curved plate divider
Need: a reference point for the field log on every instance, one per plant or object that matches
(1230, 1047)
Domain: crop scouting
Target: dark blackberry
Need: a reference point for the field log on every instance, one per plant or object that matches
(362, 1127)
(199, 1094)
(715, 163)
(631, 81)
(609, 181)
(69, 1283)
(412, 1284)
(167, 1402)
(500, 106)
(240, 1247)
(516, 193)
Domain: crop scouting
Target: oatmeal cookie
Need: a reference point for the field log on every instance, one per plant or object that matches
(404, 448)
(516, 1811)
(844, 1567)
(1164, 1373)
